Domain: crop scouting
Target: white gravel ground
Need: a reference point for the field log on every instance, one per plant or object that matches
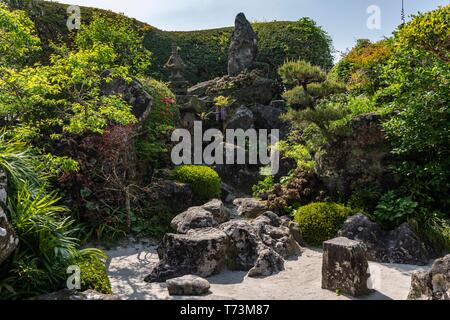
(301, 279)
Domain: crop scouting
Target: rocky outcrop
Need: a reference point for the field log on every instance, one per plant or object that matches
(358, 157)
(432, 285)
(66, 295)
(247, 88)
(193, 218)
(242, 119)
(258, 246)
(187, 286)
(400, 245)
(201, 252)
(8, 238)
(345, 266)
(250, 207)
(243, 246)
(220, 213)
(243, 48)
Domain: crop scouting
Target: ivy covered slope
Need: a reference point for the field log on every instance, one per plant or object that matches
(204, 51)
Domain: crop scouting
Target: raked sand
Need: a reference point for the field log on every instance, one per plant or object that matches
(301, 279)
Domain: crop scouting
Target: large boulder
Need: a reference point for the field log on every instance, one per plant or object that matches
(250, 207)
(358, 157)
(276, 236)
(200, 252)
(220, 213)
(432, 285)
(267, 263)
(247, 88)
(269, 117)
(401, 245)
(8, 238)
(243, 48)
(188, 285)
(345, 267)
(242, 119)
(193, 218)
(244, 241)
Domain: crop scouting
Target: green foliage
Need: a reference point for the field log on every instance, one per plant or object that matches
(205, 182)
(154, 142)
(300, 73)
(362, 66)
(429, 32)
(65, 95)
(93, 274)
(299, 98)
(365, 198)
(18, 40)
(418, 97)
(205, 51)
(320, 221)
(45, 230)
(153, 220)
(296, 151)
(263, 186)
(119, 34)
(393, 209)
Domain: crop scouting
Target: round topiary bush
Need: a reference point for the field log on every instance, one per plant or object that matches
(320, 221)
(205, 182)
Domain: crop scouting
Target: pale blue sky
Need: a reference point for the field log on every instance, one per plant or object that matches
(344, 20)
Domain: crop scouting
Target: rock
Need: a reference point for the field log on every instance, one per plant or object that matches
(247, 88)
(250, 207)
(76, 295)
(242, 119)
(269, 117)
(244, 46)
(400, 245)
(345, 266)
(193, 218)
(164, 191)
(220, 213)
(243, 248)
(275, 236)
(187, 286)
(432, 285)
(268, 263)
(8, 237)
(359, 157)
(200, 252)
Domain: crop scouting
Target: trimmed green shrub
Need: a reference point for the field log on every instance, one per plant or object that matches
(205, 182)
(320, 221)
(93, 274)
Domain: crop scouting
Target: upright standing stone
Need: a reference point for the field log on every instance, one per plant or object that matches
(345, 266)
(244, 47)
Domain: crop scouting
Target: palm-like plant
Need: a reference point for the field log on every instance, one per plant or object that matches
(47, 245)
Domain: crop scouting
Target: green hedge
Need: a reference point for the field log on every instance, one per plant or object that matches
(320, 221)
(205, 51)
(205, 182)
